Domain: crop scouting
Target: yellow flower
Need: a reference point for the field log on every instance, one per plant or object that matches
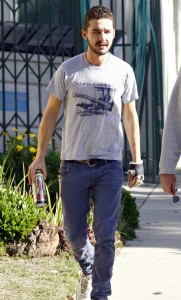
(32, 135)
(15, 129)
(32, 149)
(33, 158)
(19, 137)
(19, 148)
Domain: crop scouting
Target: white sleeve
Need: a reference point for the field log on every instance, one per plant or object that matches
(171, 142)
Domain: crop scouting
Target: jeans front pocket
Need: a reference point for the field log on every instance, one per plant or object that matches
(65, 169)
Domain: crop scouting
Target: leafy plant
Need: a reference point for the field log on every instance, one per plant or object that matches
(18, 214)
(129, 216)
(55, 210)
(18, 152)
(21, 149)
(2, 248)
(52, 160)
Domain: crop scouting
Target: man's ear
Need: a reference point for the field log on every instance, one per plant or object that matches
(84, 34)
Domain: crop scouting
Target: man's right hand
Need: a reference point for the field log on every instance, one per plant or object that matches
(37, 164)
(168, 183)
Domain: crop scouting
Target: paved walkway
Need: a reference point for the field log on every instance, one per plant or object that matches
(149, 267)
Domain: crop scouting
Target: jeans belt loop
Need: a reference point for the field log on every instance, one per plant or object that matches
(89, 164)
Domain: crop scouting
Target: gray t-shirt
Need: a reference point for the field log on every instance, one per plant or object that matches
(92, 97)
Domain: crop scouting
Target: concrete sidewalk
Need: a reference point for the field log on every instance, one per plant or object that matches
(149, 267)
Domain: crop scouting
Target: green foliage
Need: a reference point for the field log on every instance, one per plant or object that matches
(52, 160)
(90, 216)
(129, 216)
(18, 214)
(19, 153)
(2, 248)
(56, 211)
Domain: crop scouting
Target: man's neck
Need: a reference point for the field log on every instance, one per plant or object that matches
(95, 59)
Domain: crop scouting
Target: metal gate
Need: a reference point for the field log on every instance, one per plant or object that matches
(36, 36)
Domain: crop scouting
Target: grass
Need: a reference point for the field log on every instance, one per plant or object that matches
(38, 278)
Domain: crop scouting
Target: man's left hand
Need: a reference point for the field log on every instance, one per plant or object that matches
(135, 174)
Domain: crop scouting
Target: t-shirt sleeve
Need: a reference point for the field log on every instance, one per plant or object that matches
(171, 142)
(56, 85)
(130, 87)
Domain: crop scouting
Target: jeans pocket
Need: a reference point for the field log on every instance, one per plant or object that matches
(64, 170)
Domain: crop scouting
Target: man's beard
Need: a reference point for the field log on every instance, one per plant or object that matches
(99, 52)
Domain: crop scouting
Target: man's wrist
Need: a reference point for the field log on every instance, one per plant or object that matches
(136, 168)
(40, 156)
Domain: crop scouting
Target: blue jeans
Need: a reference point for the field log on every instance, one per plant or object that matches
(104, 183)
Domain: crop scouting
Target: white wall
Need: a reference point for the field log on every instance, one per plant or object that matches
(171, 45)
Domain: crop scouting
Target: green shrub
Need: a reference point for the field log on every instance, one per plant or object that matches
(2, 248)
(129, 216)
(18, 153)
(18, 215)
(21, 154)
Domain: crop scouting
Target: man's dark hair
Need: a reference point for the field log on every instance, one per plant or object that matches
(98, 12)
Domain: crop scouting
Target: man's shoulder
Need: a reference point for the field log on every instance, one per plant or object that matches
(121, 63)
(73, 60)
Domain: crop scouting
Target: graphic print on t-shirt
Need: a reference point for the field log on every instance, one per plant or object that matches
(96, 106)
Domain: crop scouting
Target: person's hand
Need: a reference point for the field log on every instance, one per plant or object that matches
(37, 164)
(134, 181)
(168, 183)
(135, 174)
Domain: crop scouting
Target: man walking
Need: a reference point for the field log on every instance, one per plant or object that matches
(96, 89)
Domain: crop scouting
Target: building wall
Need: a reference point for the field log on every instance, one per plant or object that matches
(171, 46)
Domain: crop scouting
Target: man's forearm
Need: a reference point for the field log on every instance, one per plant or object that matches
(44, 135)
(133, 134)
(47, 125)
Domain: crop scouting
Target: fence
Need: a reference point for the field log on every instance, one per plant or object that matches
(36, 36)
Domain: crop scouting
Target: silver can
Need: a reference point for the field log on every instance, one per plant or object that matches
(39, 190)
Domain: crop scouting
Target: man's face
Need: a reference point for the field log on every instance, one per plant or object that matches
(99, 35)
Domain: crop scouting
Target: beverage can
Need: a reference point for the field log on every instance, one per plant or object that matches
(39, 190)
